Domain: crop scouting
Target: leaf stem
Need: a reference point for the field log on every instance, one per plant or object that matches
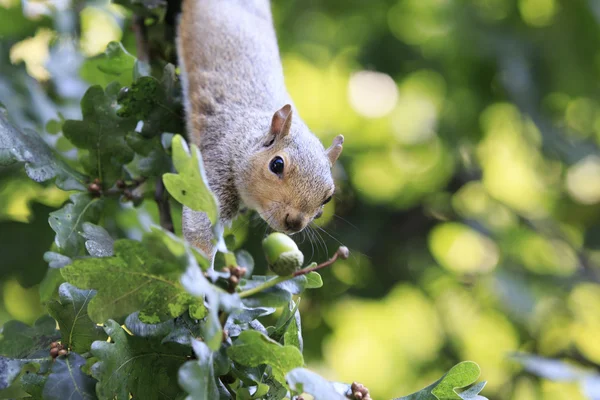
(342, 252)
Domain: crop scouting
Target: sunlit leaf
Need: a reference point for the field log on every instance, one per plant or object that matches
(189, 186)
(137, 277)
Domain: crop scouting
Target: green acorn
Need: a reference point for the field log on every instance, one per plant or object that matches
(282, 254)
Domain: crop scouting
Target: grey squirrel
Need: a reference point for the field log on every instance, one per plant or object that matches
(257, 151)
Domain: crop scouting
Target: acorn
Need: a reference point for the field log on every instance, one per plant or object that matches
(282, 254)
(63, 352)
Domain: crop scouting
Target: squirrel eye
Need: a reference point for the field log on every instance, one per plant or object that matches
(327, 200)
(276, 165)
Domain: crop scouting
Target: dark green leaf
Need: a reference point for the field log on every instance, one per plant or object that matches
(151, 158)
(67, 380)
(135, 278)
(10, 369)
(41, 162)
(141, 366)
(102, 132)
(293, 334)
(20, 340)
(189, 186)
(157, 104)
(197, 377)
(252, 348)
(304, 381)
(68, 222)
(77, 330)
(98, 241)
(284, 322)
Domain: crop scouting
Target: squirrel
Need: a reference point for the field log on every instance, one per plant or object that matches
(257, 151)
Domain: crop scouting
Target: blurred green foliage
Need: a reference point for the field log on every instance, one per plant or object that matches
(468, 190)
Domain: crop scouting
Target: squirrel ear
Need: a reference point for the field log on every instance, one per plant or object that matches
(282, 121)
(334, 151)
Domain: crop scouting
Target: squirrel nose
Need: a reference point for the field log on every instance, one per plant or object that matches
(294, 224)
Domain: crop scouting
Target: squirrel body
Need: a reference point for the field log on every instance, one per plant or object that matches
(239, 113)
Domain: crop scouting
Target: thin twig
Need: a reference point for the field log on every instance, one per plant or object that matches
(342, 252)
(141, 39)
(164, 208)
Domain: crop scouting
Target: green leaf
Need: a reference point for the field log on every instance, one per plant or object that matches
(141, 366)
(20, 340)
(156, 103)
(116, 63)
(179, 330)
(197, 377)
(68, 222)
(10, 369)
(196, 284)
(313, 280)
(56, 260)
(276, 296)
(139, 277)
(151, 158)
(293, 334)
(102, 132)
(67, 380)
(284, 321)
(460, 376)
(77, 330)
(41, 162)
(252, 348)
(302, 380)
(189, 186)
(244, 259)
(98, 243)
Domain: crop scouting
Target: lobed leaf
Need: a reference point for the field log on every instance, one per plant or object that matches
(198, 377)
(98, 241)
(102, 132)
(189, 186)
(138, 277)
(67, 380)
(144, 367)
(20, 340)
(41, 162)
(253, 348)
(461, 375)
(68, 222)
(70, 310)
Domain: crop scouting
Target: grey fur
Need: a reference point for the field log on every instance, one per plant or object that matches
(233, 84)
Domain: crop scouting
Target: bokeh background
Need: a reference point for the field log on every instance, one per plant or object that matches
(468, 190)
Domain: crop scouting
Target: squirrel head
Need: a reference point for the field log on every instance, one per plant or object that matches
(288, 178)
